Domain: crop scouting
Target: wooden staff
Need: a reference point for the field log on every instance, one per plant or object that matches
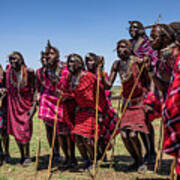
(173, 165)
(1, 99)
(96, 127)
(38, 148)
(159, 154)
(1, 102)
(117, 124)
(53, 138)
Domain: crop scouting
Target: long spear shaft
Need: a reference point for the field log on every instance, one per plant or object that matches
(53, 138)
(96, 127)
(38, 148)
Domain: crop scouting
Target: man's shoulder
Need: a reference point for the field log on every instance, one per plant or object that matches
(86, 75)
(115, 65)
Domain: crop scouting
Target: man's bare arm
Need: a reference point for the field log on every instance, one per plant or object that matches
(109, 82)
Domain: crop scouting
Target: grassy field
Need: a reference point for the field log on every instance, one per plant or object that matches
(15, 171)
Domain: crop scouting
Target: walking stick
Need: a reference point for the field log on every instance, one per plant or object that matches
(96, 127)
(1, 100)
(53, 138)
(172, 175)
(117, 124)
(38, 148)
(159, 155)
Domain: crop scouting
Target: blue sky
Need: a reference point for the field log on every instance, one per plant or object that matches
(74, 26)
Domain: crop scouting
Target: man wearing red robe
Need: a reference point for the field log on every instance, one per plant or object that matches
(83, 86)
(20, 91)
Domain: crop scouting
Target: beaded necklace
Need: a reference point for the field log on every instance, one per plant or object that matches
(75, 80)
(125, 69)
(18, 79)
(54, 76)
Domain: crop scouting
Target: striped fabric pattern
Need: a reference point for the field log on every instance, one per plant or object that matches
(49, 98)
(85, 96)
(171, 116)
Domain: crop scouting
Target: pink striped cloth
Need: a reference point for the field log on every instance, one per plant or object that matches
(48, 102)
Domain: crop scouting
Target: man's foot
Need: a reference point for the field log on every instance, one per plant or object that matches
(7, 158)
(25, 161)
(142, 168)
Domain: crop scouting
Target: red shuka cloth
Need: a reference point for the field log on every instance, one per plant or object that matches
(171, 116)
(85, 97)
(19, 104)
(134, 116)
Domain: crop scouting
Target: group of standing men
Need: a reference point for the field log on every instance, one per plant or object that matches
(155, 94)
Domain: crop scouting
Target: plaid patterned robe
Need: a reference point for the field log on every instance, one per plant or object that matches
(49, 98)
(171, 116)
(110, 118)
(85, 96)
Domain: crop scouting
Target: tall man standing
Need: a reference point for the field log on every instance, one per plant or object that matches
(20, 90)
(141, 47)
(133, 120)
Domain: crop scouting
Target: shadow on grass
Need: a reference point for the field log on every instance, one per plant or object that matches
(165, 167)
(122, 162)
(14, 161)
(44, 162)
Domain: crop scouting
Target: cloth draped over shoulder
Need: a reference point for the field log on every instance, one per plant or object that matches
(20, 101)
(171, 116)
(141, 48)
(171, 113)
(49, 99)
(84, 93)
